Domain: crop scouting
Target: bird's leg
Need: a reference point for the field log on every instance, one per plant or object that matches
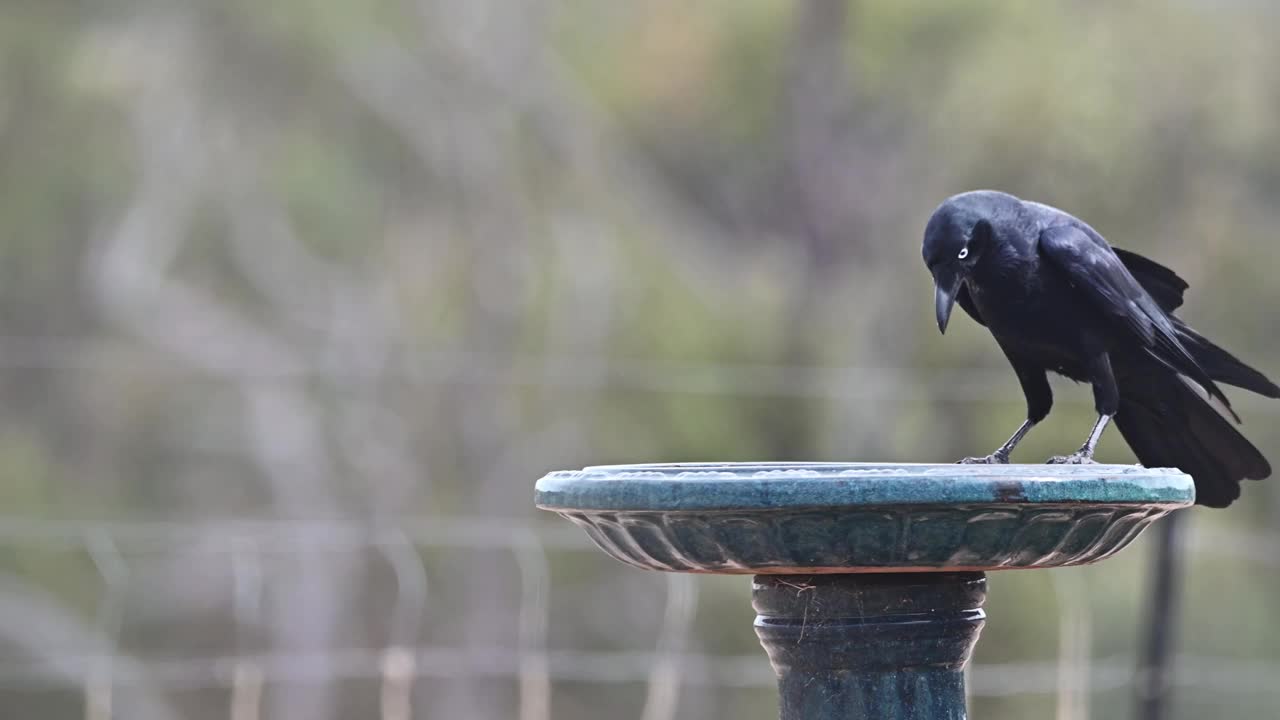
(1084, 455)
(1106, 400)
(1039, 400)
(1001, 455)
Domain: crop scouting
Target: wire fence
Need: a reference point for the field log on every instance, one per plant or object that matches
(103, 670)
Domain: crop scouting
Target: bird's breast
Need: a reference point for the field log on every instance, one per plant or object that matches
(1037, 323)
(1012, 306)
(1030, 311)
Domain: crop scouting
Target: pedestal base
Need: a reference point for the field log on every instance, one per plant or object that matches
(889, 647)
(888, 633)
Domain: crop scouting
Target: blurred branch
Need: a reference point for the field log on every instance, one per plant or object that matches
(41, 628)
(175, 132)
(817, 100)
(110, 616)
(247, 681)
(535, 591)
(667, 673)
(398, 662)
(1075, 629)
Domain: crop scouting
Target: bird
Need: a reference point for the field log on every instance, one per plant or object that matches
(1057, 297)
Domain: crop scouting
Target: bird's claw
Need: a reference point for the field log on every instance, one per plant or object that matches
(1075, 458)
(992, 459)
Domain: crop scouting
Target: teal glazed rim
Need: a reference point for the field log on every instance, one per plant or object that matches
(778, 485)
(817, 518)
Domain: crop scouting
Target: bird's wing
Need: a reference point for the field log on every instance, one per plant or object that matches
(1162, 283)
(1167, 288)
(966, 301)
(1096, 271)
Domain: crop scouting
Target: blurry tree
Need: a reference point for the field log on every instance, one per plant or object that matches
(304, 262)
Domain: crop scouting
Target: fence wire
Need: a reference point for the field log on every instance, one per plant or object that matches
(536, 669)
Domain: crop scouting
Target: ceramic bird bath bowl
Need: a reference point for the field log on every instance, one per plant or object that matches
(869, 577)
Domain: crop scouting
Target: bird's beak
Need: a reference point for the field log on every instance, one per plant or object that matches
(946, 284)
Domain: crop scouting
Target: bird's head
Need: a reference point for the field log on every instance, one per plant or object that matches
(960, 234)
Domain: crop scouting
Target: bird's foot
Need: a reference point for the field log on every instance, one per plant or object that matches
(992, 459)
(1079, 457)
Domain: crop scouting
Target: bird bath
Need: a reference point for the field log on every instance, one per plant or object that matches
(869, 578)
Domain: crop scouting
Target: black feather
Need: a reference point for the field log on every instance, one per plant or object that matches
(1162, 283)
(1168, 424)
(1167, 289)
(1222, 365)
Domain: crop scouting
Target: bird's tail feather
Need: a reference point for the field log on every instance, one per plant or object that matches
(1168, 424)
(1221, 365)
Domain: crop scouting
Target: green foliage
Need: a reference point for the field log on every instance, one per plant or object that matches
(587, 238)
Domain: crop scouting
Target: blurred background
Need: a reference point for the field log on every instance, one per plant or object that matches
(298, 299)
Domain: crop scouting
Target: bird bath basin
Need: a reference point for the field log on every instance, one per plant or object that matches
(869, 577)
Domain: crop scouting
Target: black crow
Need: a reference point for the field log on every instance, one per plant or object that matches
(1057, 297)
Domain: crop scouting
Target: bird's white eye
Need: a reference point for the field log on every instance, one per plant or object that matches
(964, 253)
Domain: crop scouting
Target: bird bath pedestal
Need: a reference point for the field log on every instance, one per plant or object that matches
(869, 578)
